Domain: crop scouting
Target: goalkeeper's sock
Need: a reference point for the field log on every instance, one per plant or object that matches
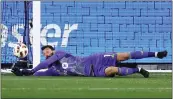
(123, 71)
(141, 54)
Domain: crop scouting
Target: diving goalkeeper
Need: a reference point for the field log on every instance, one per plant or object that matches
(60, 63)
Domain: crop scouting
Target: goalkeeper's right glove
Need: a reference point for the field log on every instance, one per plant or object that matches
(16, 71)
(27, 72)
(24, 72)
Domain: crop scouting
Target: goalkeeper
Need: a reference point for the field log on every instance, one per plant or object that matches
(60, 63)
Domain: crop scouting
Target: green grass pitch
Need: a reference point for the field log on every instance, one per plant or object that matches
(159, 85)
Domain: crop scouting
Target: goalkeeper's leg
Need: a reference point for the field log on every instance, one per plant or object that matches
(140, 55)
(124, 71)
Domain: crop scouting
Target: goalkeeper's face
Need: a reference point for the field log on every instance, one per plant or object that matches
(47, 52)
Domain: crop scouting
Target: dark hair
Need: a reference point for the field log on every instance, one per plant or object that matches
(47, 46)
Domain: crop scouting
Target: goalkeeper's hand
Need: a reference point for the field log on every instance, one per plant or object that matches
(16, 71)
(24, 72)
(27, 72)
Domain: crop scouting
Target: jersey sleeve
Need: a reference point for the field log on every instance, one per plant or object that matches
(49, 72)
(45, 64)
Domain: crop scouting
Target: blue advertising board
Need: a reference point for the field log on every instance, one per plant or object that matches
(83, 28)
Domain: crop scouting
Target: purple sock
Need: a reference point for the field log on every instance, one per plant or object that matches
(141, 54)
(123, 71)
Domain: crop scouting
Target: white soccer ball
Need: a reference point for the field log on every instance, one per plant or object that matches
(20, 50)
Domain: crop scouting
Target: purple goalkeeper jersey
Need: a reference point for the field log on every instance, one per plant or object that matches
(67, 64)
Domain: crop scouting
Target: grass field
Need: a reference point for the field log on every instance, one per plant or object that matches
(159, 85)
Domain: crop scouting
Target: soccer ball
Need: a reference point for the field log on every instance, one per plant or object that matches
(20, 50)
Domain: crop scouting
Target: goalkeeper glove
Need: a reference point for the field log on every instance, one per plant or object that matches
(24, 72)
(27, 72)
(16, 71)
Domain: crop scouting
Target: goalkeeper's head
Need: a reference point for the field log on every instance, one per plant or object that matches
(48, 50)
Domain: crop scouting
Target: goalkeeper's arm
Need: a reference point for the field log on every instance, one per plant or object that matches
(42, 65)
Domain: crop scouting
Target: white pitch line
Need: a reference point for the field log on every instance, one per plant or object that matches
(43, 79)
(46, 79)
(86, 88)
(78, 79)
(36, 79)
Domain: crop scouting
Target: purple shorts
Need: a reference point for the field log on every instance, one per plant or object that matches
(100, 62)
